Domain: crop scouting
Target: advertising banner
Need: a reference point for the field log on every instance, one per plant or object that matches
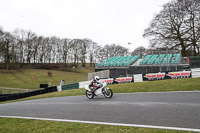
(108, 81)
(124, 79)
(155, 76)
(182, 74)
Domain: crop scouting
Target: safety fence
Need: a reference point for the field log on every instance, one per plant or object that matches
(13, 91)
(194, 61)
(70, 86)
(27, 94)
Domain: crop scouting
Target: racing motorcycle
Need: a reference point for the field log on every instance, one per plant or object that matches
(107, 92)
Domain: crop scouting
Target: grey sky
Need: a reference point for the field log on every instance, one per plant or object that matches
(103, 21)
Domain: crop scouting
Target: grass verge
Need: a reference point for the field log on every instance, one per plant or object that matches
(189, 84)
(13, 125)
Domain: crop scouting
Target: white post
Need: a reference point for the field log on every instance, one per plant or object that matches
(59, 88)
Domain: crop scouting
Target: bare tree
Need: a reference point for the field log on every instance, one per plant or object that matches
(75, 50)
(175, 26)
(84, 49)
(20, 36)
(1, 44)
(7, 41)
(93, 53)
(139, 51)
(192, 22)
(29, 40)
(114, 50)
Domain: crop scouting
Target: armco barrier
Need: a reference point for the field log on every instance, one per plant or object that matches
(70, 86)
(27, 94)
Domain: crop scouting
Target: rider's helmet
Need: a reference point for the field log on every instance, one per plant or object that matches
(96, 78)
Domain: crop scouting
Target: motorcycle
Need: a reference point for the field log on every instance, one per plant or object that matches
(107, 92)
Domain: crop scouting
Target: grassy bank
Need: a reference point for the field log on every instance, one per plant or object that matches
(12, 125)
(189, 84)
(22, 78)
(12, 91)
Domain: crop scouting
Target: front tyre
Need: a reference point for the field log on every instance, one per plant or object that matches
(89, 94)
(108, 93)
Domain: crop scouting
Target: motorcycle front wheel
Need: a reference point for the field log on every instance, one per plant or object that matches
(108, 93)
(89, 94)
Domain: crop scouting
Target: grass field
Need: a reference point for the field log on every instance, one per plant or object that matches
(22, 78)
(13, 125)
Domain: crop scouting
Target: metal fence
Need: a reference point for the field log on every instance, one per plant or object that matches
(102, 74)
(194, 61)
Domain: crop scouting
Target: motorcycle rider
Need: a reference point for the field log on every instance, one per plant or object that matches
(95, 84)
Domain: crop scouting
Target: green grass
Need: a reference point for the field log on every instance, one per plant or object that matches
(22, 78)
(11, 91)
(13, 125)
(189, 84)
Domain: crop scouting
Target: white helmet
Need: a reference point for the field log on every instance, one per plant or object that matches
(96, 78)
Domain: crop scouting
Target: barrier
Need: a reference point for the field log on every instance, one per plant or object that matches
(138, 78)
(196, 73)
(83, 84)
(70, 86)
(172, 75)
(27, 94)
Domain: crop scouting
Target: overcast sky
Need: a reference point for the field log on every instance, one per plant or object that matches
(103, 21)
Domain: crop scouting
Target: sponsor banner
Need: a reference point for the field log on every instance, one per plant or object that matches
(182, 74)
(108, 81)
(124, 79)
(155, 76)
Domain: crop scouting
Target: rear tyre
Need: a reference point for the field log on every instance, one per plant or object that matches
(108, 93)
(89, 94)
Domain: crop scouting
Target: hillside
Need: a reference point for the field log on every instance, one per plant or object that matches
(23, 78)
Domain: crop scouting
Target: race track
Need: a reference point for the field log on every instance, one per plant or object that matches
(165, 109)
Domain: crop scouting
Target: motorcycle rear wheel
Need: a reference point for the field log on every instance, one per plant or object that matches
(108, 93)
(89, 94)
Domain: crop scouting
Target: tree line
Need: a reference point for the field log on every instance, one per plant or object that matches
(23, 46)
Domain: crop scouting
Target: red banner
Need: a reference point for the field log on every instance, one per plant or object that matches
(108, 81)
(155, 76)
(124, 79)
(183, 74)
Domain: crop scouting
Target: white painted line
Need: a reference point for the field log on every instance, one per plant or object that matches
(106, 123)
(163, 92)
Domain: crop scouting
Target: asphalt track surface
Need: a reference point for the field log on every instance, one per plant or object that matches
(166, 109)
